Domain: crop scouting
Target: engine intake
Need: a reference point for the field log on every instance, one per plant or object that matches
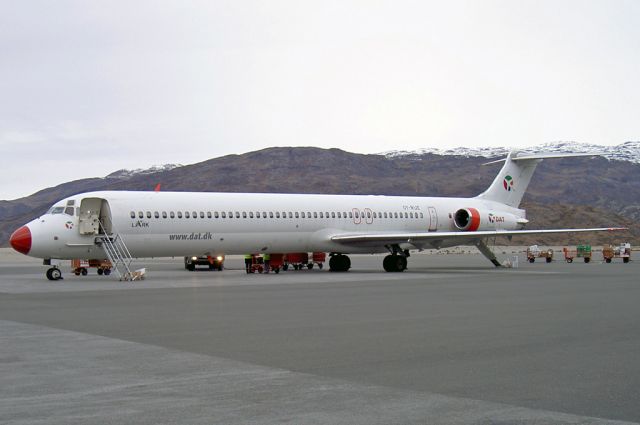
(467, 219)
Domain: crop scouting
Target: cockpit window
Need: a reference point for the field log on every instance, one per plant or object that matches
(56, 210)
(69, 211)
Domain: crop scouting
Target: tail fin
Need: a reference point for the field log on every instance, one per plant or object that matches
(511, 182)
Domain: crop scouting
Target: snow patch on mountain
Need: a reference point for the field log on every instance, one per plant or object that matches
(628, 151)
(125, 174)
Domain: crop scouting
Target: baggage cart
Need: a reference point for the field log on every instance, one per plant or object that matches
(297, 260)
(534, 252)
(318, 259)
(622, 251)
(276, 263)
(581, 251)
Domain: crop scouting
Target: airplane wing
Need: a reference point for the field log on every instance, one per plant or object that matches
(368, 239)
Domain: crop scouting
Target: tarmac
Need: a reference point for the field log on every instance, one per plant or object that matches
(452, 340)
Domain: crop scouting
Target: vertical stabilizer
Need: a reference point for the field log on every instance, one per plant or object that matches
(512, 181)
(514, 177)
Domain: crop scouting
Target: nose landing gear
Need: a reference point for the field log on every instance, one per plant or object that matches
(54, 273)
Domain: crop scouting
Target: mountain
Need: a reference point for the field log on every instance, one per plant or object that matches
(575, 192)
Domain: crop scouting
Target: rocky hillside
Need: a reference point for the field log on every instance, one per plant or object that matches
(572, 192)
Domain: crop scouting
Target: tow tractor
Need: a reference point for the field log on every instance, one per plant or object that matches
(81, 267)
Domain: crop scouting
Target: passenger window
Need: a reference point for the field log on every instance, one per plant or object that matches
(270, 214)
(395, 215)
(202, 214)
(179, 214)
(385, 215)
(350, 214)
(250, 214)
(244, 214)
(208, 214)
(194, 214)
(186, 214)
(156, 214)
(140, 214)
(277, 214)
(290, 214)
(339, 214)
(164, 214)
(315, 214)
(406, 215)
(410, 215)
(264, 214)
(172, 215)
(302, 214)
(133, 214)
(297, 215)
(224, 214)
(148, 214)
(333, 215)
(237, 214)
(216, 215)
(257, 214)
(321, 214)
(230, 214)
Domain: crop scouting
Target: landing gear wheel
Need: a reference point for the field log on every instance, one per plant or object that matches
(100, 271)
(339, 263)
(54, 274)
(394, 263)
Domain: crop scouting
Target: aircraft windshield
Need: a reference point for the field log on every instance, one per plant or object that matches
(56, 210)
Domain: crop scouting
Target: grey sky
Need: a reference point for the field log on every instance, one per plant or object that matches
(88, 87)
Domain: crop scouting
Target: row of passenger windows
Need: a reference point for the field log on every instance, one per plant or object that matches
(277, 214)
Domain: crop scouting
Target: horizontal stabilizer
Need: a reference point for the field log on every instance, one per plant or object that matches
(544, 156)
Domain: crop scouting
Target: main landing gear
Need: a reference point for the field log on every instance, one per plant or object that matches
(339, 263)
(396, 261)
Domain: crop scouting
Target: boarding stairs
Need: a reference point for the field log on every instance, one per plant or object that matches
(118, 253)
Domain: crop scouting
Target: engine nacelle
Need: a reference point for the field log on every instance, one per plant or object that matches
(467, 219)
(471, 219)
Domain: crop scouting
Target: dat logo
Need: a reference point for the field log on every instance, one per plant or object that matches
(508, 183)
(496, 219)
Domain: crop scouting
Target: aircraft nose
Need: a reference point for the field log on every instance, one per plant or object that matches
(20, 240)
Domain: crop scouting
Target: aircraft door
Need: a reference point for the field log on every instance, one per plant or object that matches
(91, 212)
(433, 219)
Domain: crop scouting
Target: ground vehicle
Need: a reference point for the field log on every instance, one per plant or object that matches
(214, 263)
(581, 251)
(81, 267)
(621, 251)
(534, 252)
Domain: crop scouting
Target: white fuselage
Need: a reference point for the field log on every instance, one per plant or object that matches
(162, 224)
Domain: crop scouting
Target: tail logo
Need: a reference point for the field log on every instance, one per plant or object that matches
(508, 183)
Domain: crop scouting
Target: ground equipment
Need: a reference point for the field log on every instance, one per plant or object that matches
(534, 252)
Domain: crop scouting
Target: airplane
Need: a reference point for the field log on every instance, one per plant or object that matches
(167, 224)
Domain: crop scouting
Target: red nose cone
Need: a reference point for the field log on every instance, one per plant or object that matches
(21, 240)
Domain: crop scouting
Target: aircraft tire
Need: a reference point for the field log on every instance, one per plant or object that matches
(54, 274)
(394, 263)
(339, 263)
